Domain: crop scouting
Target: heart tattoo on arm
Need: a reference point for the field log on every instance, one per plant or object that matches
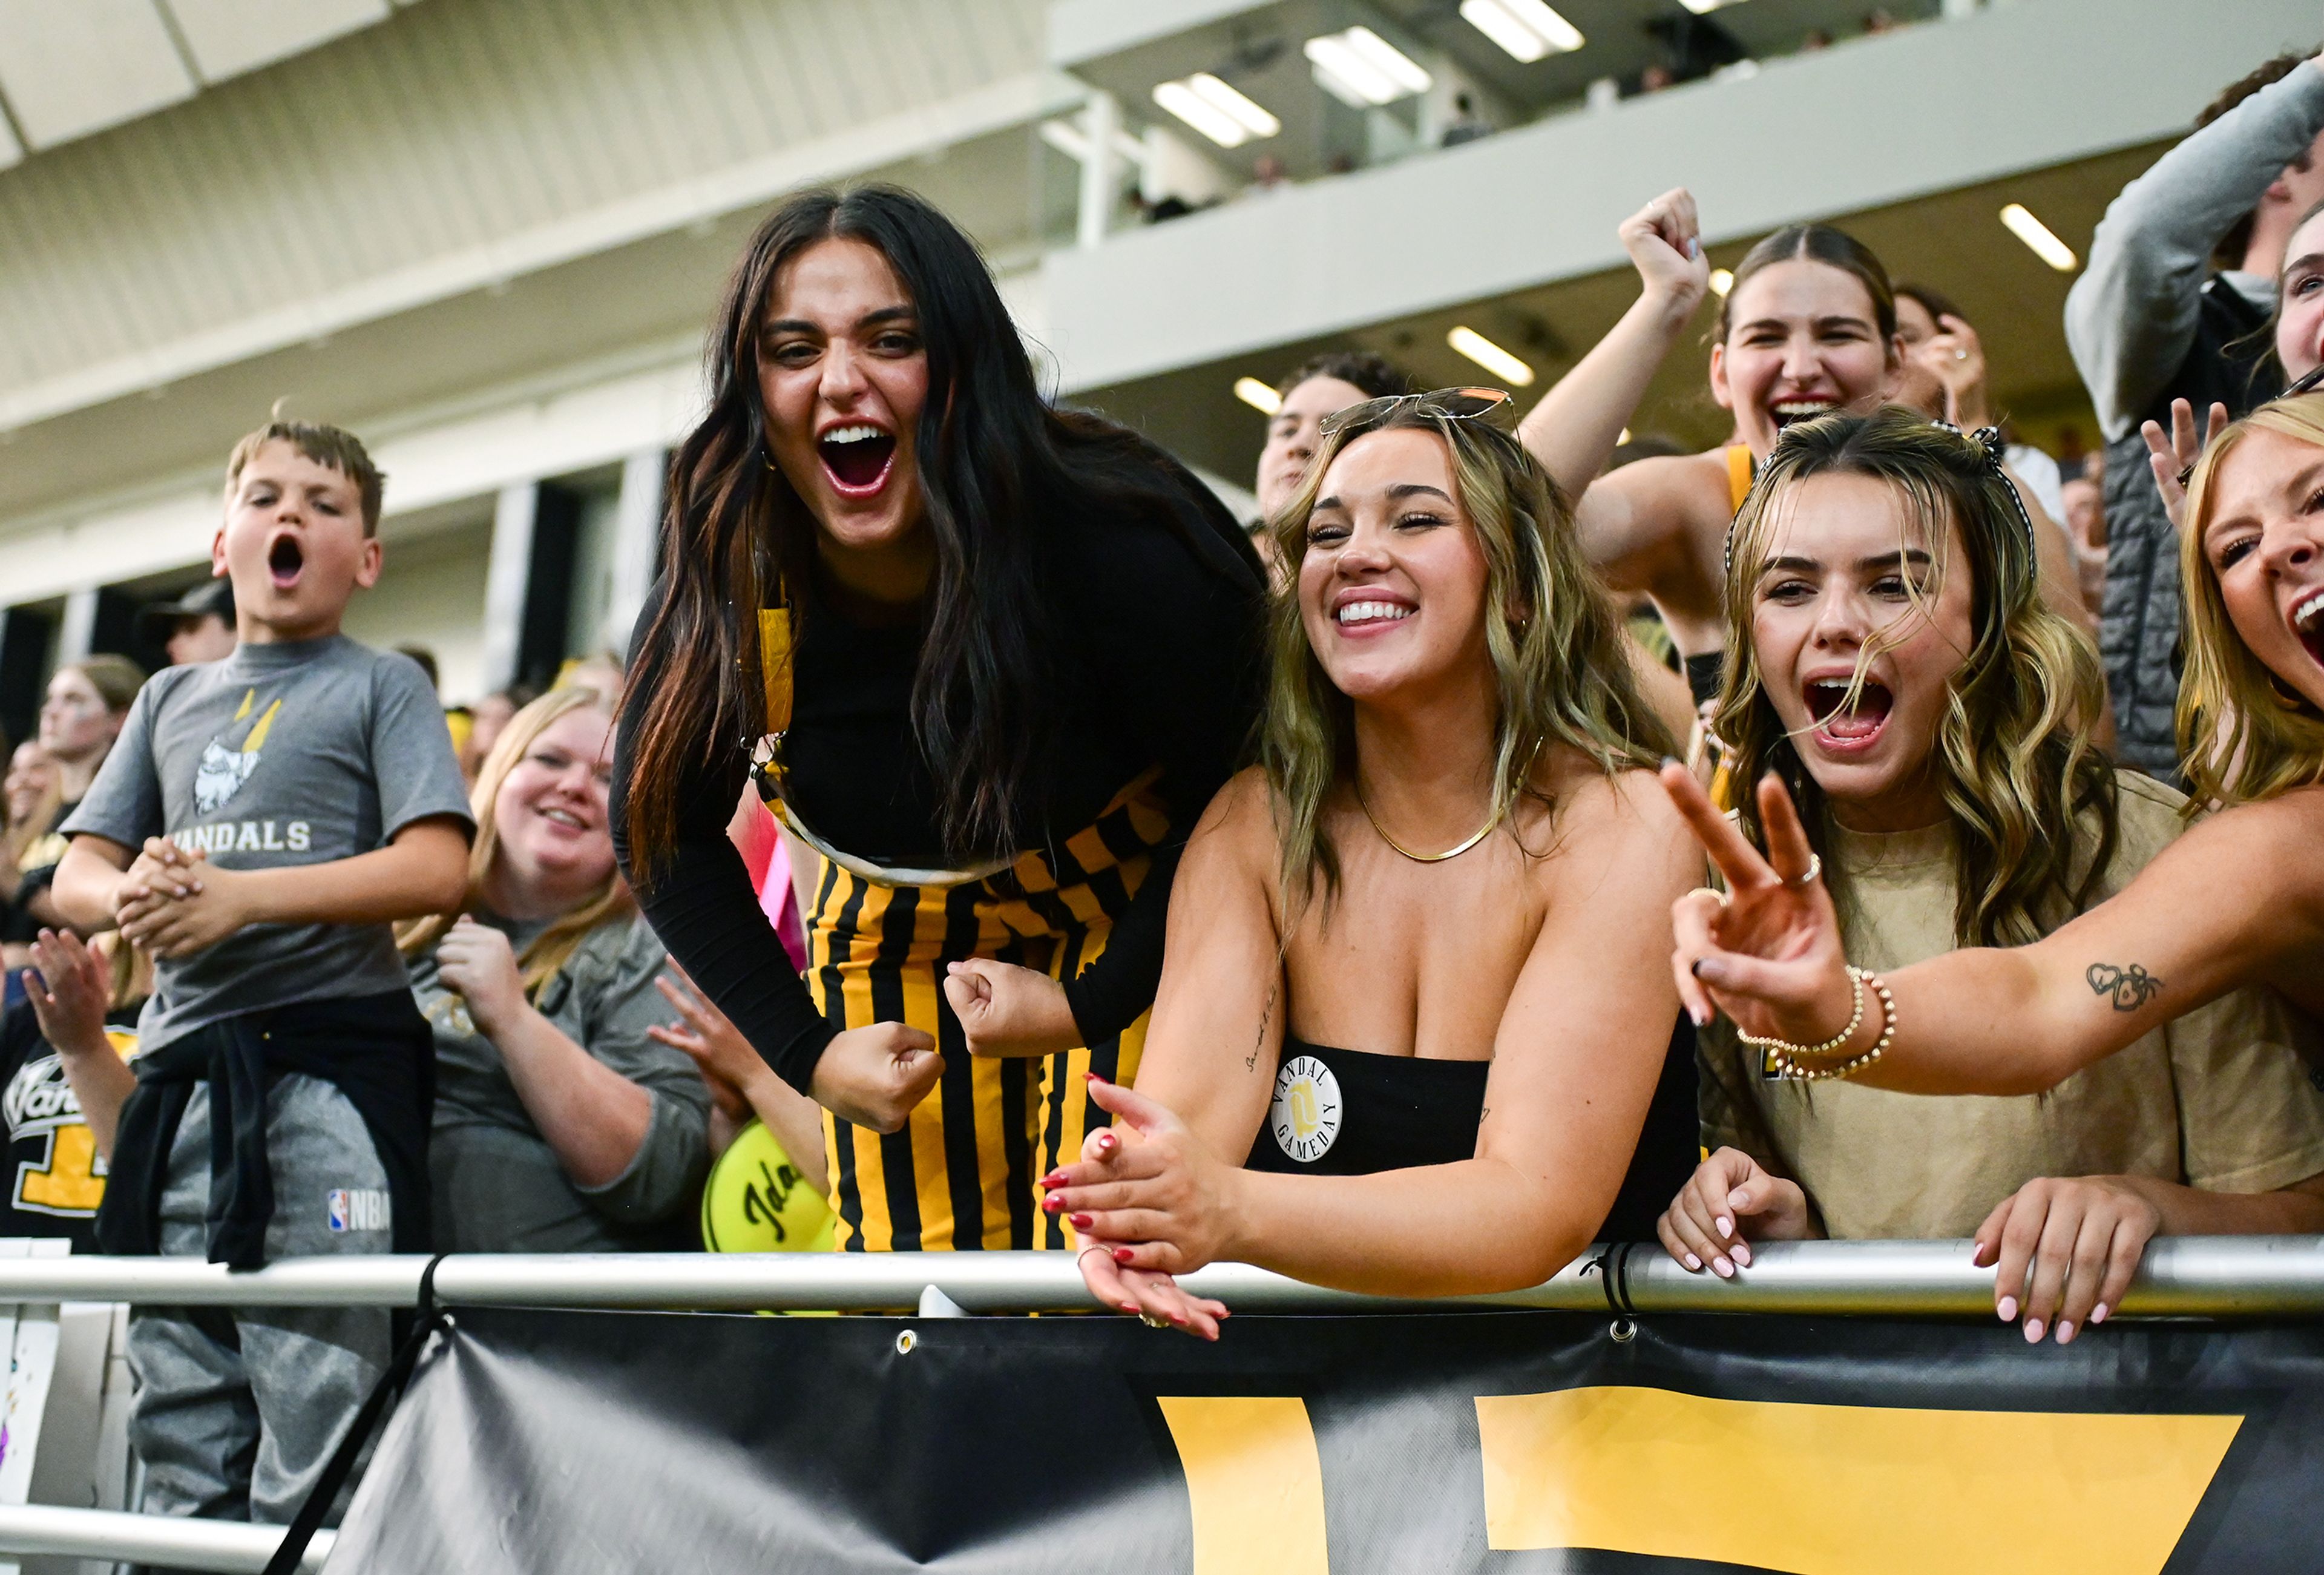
(2130, 987)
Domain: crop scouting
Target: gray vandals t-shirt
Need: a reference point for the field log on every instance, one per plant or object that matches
(299, 753)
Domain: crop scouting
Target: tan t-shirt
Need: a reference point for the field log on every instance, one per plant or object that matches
(2222, 1099)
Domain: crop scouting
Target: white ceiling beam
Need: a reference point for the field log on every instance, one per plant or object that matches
(73, 68)
(229, 37)
(1013, 101)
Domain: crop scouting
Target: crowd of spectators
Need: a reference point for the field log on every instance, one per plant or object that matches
(282, 871)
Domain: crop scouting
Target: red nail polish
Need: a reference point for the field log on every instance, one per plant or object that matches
(1092, 1077)
(1081, 1221)
(1055, 1178)
(1129, 1306)
(1123, 1255)
(1051, 1205)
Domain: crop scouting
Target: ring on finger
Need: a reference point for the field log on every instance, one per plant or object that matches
(1809, 876)
(1724, 898)
(1152, 1321)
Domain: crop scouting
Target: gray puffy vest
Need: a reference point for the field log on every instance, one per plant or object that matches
(2230, 363)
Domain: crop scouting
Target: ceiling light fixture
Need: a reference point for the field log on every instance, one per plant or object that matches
(1526, 30)
(1199, 113)
(2038, 237)
(1258, 395)
(1362, 69)
(1721, 281)
(1245, 113)
(1490, 357)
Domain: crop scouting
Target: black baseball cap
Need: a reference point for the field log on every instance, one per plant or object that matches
(211, 598)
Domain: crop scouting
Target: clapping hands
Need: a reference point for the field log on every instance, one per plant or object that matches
(1149, 1200)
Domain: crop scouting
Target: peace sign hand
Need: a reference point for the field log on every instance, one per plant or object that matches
(1769, 954)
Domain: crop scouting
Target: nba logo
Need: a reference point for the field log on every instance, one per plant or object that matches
(337, 1210)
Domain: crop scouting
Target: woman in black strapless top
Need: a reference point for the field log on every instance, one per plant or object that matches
(1453, 862)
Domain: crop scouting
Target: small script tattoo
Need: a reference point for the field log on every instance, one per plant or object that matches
(1250, 1062)
(1482, 1112)
(2129, 987)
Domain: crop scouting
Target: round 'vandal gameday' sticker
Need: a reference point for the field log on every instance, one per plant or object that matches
(1306, 1115)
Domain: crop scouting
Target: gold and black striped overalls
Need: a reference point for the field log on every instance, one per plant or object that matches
(964, 1172)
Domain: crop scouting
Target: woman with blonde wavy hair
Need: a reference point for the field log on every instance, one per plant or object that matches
(1896, 671)
(2236, 903)
(1451, 861)
(564, 1121)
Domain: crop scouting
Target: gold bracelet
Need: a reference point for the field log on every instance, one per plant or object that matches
(1784, 1050)
(1784, 1066)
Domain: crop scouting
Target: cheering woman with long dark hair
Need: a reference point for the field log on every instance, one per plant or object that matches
(990, 661)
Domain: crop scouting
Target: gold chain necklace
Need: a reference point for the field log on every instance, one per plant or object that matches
(1480, 834)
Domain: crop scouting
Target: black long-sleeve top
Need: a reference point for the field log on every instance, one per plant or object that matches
(1158, 618)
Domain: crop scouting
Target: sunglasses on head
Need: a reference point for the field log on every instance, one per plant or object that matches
(1457, 404)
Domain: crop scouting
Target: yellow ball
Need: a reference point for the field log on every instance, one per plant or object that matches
(756, 1200)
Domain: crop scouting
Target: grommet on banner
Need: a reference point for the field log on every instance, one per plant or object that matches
(906, 1341)
(1622, 1330)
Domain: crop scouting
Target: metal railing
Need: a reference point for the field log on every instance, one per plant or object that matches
(2210, 1276)
(2220, 1276)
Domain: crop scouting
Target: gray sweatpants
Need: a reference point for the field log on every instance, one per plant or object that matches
(238, 1409)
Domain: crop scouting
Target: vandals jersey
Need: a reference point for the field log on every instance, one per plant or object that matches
(299, 753)
(54, 1180)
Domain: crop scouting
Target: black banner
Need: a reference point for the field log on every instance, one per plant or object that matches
(1512, 1443)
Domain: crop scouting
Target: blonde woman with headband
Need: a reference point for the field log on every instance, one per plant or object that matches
(1896, 671)
(1414, 1035)
(563, 1123)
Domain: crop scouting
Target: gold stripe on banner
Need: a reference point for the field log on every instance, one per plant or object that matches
(1255, 1480)
(1839, 1490)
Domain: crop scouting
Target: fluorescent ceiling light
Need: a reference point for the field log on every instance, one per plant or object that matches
(1388, 61)
(1201, 114)
(1721, 281)
(1702, 7)
(1361, 69)
(2040, 238)
(1526, 30)
(1258, 395)
(1242, 110)
(1490, 357)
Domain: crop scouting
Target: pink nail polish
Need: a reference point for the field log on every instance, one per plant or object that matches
(1693, 1262)
(2032, 1331)
(2099, 1314)
(1742, 1254)
(2065, 1331)
(2008, 1310)
(1725, 1270)
(1725, 1226)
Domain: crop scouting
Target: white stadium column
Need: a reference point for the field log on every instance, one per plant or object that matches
(507, 576)
(1099, 124)
(637, 536)
(80, 628)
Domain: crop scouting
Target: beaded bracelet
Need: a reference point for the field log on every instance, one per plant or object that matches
(1784, 1050)
(1781, 1063)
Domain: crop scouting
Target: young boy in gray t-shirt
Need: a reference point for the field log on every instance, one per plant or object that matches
(257, 828)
